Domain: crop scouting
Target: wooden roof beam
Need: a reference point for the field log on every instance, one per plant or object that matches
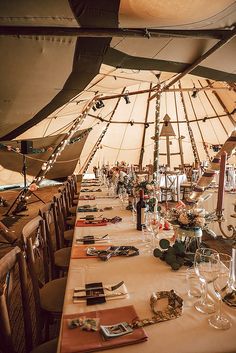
(164, 89)
(111, 32)
(209, 52)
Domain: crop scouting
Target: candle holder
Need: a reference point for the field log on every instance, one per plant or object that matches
(220, 219)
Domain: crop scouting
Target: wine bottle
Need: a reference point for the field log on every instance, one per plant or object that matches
(140, 210)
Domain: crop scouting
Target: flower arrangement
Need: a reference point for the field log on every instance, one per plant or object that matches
(147, 186)
(189, 218)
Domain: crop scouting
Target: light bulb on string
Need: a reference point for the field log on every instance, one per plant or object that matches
(44, 166)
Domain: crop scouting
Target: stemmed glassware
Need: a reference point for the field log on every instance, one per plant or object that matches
(206, 265)
(134, 209)
(153, 224)
(222, 287)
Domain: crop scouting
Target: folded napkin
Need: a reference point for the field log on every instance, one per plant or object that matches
(119, 293)
(87, 209)
(80, 251)
(90, 190)
(92, 223)
(87, 197)
(76, 340)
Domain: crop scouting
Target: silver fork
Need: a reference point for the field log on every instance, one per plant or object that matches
(111, 288)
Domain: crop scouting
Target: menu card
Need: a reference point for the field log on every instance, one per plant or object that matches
(76, 340)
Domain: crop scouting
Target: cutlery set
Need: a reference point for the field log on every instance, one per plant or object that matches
(93, 292)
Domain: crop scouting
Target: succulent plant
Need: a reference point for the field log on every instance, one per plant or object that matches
(175, 255)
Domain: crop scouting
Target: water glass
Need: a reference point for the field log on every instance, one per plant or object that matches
(147, 238)
(193, 284)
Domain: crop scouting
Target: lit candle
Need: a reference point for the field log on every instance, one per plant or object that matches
(221, 183)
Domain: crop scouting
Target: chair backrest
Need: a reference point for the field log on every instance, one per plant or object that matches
(48, 214)
(15, 319)
(60, 224)
(38, 261)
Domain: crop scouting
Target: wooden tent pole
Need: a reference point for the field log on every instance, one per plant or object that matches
(154, 89)
(222, 104)
(168, 151)
(111, 32)
(179, 136)
(157, 138)
(203, 142)
(208, 99)
(144, 130)
(99, 140)
(190, 68)
(193, 143)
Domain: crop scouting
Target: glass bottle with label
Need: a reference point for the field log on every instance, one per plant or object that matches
(141, 210)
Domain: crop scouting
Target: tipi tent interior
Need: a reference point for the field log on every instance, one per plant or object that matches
(89, 83)
(51, 68)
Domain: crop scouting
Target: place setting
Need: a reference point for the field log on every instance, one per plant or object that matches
(92, 239)
(103, 252)
(99, 293)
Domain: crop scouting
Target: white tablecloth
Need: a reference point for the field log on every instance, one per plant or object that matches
(143, 275)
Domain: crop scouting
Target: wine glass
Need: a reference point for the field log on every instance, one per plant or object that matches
(134, 209)
(222, 287)
(153, 224)
(206, 263)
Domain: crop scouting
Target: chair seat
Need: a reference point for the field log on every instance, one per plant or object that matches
(75, 202)
(187, 185)
(71, 221)
(52, 295)
(68, 234)
(62, 257)
(73, 210)
(47, 347)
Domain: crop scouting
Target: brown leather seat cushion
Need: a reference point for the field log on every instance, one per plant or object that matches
(68, 234)
(62, 257)
(47, 347)
(73, 210)
(52, 295)
(71, 221)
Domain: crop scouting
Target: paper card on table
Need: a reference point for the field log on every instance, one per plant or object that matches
(76, 340)
(119, 293)
(80, 251)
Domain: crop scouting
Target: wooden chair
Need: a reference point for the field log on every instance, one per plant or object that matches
(171, 188)
(48, 294)
(186, 189)
(59, 255)
(65, 205)
(16, 326)
(64, 235)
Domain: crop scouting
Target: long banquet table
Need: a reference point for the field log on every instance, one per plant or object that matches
(143, 275)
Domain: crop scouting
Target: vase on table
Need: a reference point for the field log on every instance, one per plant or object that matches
(191, 236)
